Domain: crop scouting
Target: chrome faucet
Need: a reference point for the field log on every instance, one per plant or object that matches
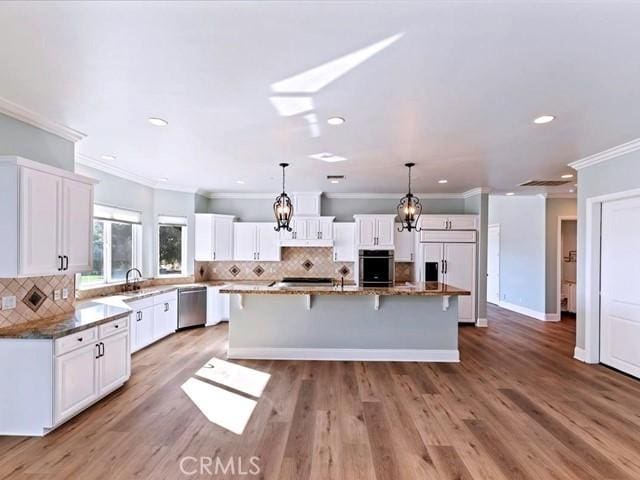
(128, 287)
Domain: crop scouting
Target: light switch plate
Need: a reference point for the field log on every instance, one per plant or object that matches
(56, 295)
(9, 303)
(65, 293)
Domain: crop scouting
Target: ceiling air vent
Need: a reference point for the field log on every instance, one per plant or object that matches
(335, 177)
(544, 183)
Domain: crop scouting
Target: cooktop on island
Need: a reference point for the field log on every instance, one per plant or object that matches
(306, 281)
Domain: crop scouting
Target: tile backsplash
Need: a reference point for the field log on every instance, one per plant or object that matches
(101, 291)
(19, 287)
(295, 262)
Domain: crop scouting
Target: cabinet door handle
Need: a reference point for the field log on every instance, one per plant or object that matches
(139, 316)
(166, 307)
(98, 347)
(442, 267)
(61, 262)
(335, 256)
(102, 353)
(446, 266)
(214, 255)
(116, 326)
(66, 262)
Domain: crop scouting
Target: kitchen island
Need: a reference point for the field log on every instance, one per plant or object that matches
(410, 322)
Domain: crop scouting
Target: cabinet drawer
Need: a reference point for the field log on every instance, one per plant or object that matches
(76, 340)
(115, 326)
(448, 236)
(165, 298)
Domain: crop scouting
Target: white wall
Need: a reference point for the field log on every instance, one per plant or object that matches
(522, 249)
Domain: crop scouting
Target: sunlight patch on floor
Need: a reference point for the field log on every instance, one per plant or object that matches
(243, 379)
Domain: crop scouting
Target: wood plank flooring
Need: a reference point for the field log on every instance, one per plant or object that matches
(517, 407)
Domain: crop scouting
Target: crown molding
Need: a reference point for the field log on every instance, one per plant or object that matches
(476, 191)
(241, 195)
(605, 155)
(35, 119)
(558, 195)
(388, 196)
(132, 177)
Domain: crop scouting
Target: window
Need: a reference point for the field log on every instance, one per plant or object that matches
(117, 244)
(172, 246)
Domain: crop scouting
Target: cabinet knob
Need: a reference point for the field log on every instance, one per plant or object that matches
(80, 339)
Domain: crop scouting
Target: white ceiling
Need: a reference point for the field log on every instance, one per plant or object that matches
(456, 93)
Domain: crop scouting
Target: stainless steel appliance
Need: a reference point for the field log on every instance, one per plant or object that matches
(376, 268)
(192, 307)
(306, 281)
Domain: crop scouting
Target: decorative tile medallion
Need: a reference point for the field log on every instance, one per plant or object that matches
(234, 270)
(344, 271)
(34, 298)
(307, 265)
(258, 270)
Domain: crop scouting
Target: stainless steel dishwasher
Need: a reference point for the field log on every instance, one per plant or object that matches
(192, 307)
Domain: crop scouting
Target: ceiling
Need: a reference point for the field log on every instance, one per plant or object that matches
(453, 87)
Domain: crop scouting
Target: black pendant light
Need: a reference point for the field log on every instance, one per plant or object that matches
(283, 208)
(409, 208)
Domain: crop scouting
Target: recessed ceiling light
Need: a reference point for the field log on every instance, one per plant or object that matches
(568, 175)
(327, 157)
(335, 181)
(443, 181)
(158, 122)
(240, 182)
(163, 179)
(508, 194)
(108, 157)
(544, 119)
(335, 120)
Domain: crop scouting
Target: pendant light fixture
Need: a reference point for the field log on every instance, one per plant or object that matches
(283, 208)
(409, 208)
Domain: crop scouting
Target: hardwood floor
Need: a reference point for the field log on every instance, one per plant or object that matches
(517, 407)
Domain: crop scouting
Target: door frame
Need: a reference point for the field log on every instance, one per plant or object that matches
(489, 227)
(562, 218)
(591, 259)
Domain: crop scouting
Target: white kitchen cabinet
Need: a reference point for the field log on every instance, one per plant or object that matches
(404, 243)
(375, 231)
(76, 380)
(449, 222)
(46, 216)
(153, 318)
(114, 364)
(213, 237)
(344, 246)
(256, 241)
(165, 318)
(309, 232)
(306, 204)
(218, 306)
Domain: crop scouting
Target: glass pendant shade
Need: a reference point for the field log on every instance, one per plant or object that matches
(409, 208)
(283, 207)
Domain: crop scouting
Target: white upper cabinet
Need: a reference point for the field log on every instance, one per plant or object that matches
(344, 242)
(214, 237)
(256, 241)
(404, 244)
(309, 232)
(449, 222)
(375, 231)
(306, 204)
(46, 219)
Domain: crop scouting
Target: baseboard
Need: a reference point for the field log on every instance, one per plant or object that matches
(545, 317)
(482, 322)
(354, 354)
(580, 354)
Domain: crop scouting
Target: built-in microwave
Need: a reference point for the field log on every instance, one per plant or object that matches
(377, 268)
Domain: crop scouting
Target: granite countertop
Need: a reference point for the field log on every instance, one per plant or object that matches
(88, 316)
(423, 289)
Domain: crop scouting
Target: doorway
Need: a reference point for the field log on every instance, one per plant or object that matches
(567, 265)
(493, 264)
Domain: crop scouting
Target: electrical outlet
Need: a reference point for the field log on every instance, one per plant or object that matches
(65, 293)
(56, 295)
(9, 303)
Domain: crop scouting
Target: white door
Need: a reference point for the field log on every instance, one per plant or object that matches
(244, 242)
(204, 237)
(493, 264)
(404, 243)
(460, 272)
(223, 238)
(463, 222)
(384, 232)
(366, 231)
(115, 363)
(40, 220)
(619, 286)
(77, 226)
(76, 381)
(344, 248)
(433, 253)
(268, 241)
(433, 222)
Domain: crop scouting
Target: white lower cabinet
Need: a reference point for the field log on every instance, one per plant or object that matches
(114, 365)
(217, 306)
(153, 318)
(76, 381)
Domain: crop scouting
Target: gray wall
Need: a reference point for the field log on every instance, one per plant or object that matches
(616, 175)
(556, 207)
(522, 249)
(479, 205)
(24, 140)
(202, 203)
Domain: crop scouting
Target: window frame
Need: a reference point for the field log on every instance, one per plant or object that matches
(173, 222)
